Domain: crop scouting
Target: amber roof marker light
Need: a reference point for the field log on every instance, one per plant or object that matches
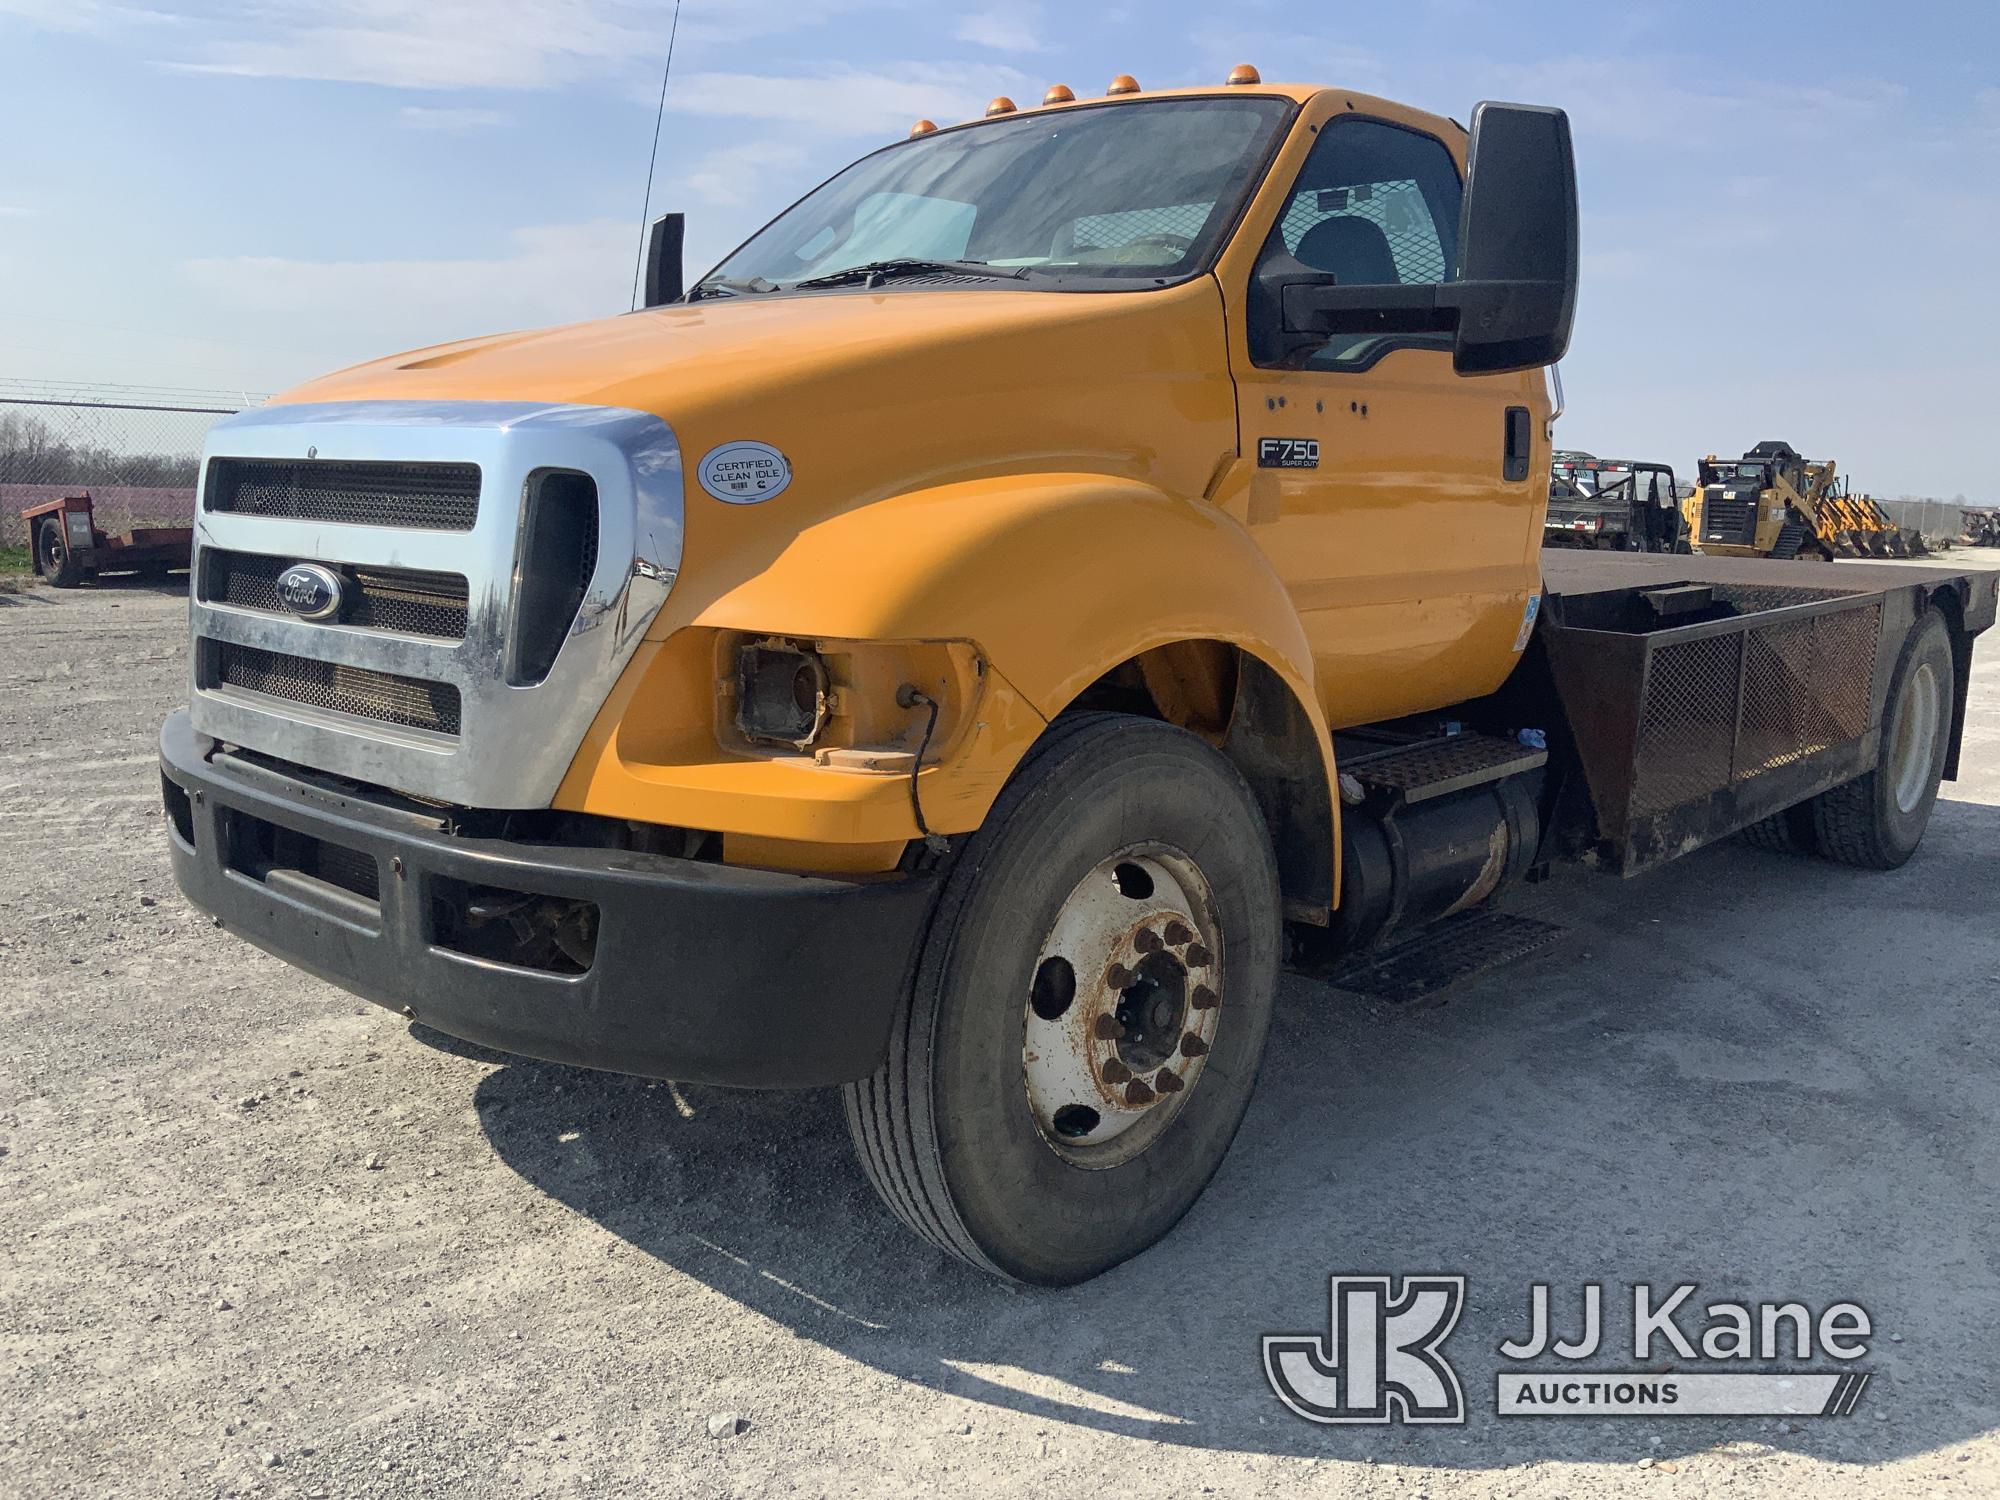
(923, 127)
(1243, 74)
(1124, 83)
(1060, 93)
(1001, 106)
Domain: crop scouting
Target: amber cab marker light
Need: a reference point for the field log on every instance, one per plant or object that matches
(1001, 106)
(1062, 93)
(1243, 73)
(1124, 83)
(923, 127)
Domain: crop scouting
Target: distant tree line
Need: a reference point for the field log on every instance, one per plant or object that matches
(34, 451)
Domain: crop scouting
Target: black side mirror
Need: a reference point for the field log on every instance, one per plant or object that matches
(664, 276)
(1516, 293)
(1514, 301)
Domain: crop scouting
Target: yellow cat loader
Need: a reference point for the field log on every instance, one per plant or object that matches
(1774, 503)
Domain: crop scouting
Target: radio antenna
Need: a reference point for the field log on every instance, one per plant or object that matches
(646, 210)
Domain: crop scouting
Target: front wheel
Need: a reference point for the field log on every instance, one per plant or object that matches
(1089, 1010)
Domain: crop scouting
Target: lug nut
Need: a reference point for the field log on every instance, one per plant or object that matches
(1199, 957)
(1137, 1093)
(1115, 1072)
(1204, 998)
(1147, 941)
(1118, 977)
(1192, 1045)
(1168, 1082)
(1108, 1029)
(1178, 933)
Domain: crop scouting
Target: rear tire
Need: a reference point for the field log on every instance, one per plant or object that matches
(1004, 1126)
(1788, 832)
(53, 559)
(1876, 821)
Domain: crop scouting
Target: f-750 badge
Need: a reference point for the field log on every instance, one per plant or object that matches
(1288, 453)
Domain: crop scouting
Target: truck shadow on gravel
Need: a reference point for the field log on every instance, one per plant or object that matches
(1666, 1096)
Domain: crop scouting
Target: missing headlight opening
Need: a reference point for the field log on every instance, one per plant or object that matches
(781, 693)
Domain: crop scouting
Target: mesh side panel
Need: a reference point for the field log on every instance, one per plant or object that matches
(1396, 208)
(433, 497)
(382, 696)
(1778, 664)
(398, 599)
(1801, 691)
(1688, 725)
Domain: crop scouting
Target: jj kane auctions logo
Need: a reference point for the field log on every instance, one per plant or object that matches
(1382, 1358)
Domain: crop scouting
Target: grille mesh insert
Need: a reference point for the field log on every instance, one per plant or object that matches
(430, 497)
(1729, 522)
(382, 696)
(399, 599)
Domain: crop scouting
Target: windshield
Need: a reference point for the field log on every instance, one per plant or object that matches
(1137, 190)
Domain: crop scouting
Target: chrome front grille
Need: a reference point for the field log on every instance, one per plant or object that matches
(334, 687)
(399, 599)
(434, 497)
(463, 665)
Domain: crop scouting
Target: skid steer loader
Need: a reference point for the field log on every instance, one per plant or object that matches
(1774, 503)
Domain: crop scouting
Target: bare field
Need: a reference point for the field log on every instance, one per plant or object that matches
(264, 1239)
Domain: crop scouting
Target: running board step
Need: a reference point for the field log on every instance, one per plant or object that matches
(1437, 768)
(1437, 957)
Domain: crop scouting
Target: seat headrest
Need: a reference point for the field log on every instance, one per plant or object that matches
(1353, 250)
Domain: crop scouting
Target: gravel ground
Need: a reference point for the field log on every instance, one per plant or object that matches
(262, 1239)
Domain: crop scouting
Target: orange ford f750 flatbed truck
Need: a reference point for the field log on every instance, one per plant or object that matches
(951, 649)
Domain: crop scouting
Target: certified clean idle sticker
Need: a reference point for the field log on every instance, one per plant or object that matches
(743, 473)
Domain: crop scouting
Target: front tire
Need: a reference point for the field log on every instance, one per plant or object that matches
(1876, 821)
(1089, 1009)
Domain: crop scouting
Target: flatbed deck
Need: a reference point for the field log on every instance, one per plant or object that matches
(1697, 695)
(1569, 574)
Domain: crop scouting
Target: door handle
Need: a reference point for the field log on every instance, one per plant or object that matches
(1516, 445)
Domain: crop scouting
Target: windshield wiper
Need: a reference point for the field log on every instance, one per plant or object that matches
(875, 272)
(724, 286)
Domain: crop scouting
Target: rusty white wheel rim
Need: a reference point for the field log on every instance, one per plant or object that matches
(1915, 738)
(1123, 1006)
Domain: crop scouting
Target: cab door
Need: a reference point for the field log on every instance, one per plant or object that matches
(1400, 503)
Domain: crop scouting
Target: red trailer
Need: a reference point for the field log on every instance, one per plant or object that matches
(70, 549)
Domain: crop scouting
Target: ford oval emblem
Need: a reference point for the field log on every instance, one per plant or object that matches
(310, 591)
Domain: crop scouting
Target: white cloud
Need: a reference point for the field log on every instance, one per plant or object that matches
(356, 309)
(1011, 30)
(848, 101)
(426, 117)
(736, 174)
(441, 44)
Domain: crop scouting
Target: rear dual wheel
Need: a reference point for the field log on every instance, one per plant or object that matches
(1089, 1012)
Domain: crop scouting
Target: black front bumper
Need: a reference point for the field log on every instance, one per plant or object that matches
(701, 972)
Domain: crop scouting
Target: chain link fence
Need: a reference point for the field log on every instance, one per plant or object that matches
(136, 449)
(1937, 520)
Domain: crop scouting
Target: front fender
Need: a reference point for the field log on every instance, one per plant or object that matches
(1057, 578)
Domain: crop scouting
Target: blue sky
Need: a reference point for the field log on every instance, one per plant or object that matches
(1791, 210)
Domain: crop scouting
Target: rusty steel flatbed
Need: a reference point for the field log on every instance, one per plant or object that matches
(1695, 695)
